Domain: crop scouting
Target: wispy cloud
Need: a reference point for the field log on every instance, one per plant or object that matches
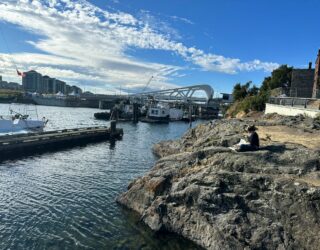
(182, 19)
(83, 42)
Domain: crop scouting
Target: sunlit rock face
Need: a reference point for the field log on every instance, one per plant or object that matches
(221, 199)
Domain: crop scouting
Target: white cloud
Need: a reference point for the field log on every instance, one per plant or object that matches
(83, 42)
(182, 19)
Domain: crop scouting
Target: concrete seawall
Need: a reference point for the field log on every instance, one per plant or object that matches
(290, 110)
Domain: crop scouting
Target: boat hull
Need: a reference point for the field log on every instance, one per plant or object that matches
(102, 115)
(154, 120)
(21, 124)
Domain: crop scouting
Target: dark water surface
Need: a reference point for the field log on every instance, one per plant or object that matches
(66, 199)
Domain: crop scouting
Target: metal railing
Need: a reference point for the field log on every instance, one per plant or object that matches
(308, 103)
(299, 92)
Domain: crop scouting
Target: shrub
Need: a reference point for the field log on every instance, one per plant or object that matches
(254, 99)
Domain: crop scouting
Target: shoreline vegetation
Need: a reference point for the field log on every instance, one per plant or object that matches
(221, 199)
(248, 97)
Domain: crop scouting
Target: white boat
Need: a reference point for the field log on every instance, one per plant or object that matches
(157, 114)
(127, 111)
(175, 114)
(17, 121)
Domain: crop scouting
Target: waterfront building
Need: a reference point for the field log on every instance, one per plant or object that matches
(227, 98)
(32, 81)
(60, 86)
(51, 85)
(35, 82)
(76, 90)
(10, 85)
(44, 86)
(68, 89)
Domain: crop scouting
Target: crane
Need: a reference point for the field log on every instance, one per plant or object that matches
(145, 87)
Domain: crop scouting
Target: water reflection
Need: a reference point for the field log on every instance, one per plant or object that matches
(66, 199)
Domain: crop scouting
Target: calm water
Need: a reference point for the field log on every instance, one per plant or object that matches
(66, 199)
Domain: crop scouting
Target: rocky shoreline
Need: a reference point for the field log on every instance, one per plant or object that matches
(221, 199)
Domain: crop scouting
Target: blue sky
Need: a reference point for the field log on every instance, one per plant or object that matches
(104, 45)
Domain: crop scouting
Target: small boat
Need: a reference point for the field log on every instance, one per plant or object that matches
(120, 112)
(102, 115)
(175, 114)
(126, 112)
(157, 114)
(186, 117)
(17, 121)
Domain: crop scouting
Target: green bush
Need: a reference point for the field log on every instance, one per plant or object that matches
(254, 99)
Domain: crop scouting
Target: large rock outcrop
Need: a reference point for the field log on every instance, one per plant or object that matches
(221, 199)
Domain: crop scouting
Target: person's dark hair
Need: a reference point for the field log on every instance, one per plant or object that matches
(251, 128)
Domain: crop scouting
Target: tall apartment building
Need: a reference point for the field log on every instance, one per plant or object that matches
(35, 82)
(60, 86)
(51, 85)
(32, 81)
(43, 88)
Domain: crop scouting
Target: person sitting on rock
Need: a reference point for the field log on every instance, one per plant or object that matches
(253, 138)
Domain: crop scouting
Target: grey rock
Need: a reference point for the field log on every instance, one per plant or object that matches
(220, 199)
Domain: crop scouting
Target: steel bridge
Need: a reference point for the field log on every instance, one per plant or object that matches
(184, 95)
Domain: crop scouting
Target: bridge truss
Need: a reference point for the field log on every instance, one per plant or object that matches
(182, 95)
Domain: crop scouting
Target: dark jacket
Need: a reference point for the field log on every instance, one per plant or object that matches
(254, 140)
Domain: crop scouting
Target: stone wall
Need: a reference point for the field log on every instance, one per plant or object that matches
(302, 83)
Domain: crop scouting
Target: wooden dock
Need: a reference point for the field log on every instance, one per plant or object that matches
(12, 146)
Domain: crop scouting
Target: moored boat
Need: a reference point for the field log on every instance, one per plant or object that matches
(18, 121)
(175, 114)
(102, 115)
(188, 118)
(157, 114)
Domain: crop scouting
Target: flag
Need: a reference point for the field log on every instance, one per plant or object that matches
(22, 74)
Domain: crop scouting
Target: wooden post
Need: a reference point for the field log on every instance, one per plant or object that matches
(135, 113)
(101, 104)
(305, 103)
(113, 127)
(190, 116)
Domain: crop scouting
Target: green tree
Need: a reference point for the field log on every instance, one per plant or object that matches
(249, 98)
(241, 91)
(280, 77)
(254, 90)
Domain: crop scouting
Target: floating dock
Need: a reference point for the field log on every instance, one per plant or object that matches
(12, 146)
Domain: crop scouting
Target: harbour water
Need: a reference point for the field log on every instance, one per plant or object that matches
(66, 199)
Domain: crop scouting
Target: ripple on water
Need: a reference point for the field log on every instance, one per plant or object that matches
(66, 199)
